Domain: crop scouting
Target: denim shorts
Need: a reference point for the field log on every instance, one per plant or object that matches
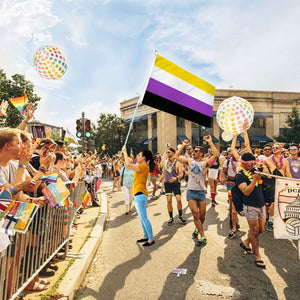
(254, 213)
(195, 195)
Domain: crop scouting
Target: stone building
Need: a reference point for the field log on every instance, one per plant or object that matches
(156, 128)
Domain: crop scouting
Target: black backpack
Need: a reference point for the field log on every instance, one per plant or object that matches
(237, 199)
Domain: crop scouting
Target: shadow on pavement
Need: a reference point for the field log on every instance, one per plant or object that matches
(177, 287)
(284, 257)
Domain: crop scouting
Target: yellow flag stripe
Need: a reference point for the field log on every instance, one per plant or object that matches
(177, 71)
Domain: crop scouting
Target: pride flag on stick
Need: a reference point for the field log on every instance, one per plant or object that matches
(178, 92)
(51, 177)
(20, 103)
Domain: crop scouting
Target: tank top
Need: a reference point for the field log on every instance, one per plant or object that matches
(216, 165)
(294, 167)
(196, 178)
(170, 171)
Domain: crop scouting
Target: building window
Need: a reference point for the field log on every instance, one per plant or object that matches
(179, 122)
(154, 121)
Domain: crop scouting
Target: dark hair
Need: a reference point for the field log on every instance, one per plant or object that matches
(248, 156)
(294, 145)
(59, 156)
(149, 157)
(60, 143)
(172, 149)
(201, 149)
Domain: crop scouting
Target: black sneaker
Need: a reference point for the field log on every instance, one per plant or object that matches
(195, 233)
(182, 219)
(232, 234)
(201, 241)
(171, 221)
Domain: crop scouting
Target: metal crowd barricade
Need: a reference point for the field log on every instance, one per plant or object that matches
(29, 253)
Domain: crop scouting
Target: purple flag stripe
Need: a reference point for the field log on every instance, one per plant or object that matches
(178, 97)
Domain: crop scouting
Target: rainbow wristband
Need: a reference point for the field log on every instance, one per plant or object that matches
(13, 189)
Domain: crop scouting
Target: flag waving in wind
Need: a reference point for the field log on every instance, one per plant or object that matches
(178, 92)
(20, 103)
(70, 138)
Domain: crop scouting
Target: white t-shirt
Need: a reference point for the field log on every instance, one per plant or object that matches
(230, 170)
(8, 173)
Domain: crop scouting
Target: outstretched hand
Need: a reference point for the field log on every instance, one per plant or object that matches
(3, 107)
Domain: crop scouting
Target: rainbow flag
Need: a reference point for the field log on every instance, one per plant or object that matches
(20, 103)
(177, 91)
(131, 154)
(51, 177)
(86, 198)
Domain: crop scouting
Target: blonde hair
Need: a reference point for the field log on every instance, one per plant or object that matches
(7, 134)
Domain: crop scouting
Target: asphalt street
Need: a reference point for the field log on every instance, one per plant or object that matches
(123, 269)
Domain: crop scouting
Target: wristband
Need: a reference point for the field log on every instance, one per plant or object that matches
(42, 169)
(22, 166)
(25, 121)
(13, 189)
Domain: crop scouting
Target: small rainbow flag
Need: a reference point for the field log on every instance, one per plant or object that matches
(51, 177)
(20, 103)
(131, 154)
(86, 198)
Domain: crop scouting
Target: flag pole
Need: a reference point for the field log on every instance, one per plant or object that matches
(141, 97)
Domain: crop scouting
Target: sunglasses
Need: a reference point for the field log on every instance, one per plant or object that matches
(293, 148)
(267, 149)
(276, 147)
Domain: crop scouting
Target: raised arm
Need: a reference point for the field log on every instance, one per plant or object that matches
(215, 152)
(127, 161)
(233, 147)
(246, 137)
(182, 159)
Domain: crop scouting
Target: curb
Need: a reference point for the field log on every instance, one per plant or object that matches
(76, 273)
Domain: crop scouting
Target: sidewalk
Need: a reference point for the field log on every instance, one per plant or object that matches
(72, 269)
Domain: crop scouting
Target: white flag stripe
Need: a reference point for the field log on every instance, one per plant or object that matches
(181, 85)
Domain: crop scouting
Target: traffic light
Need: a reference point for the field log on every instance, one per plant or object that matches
(203, 128)
(79, 128)
(87, 126)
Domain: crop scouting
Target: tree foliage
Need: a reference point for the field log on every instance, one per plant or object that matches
(291, 134)
(111, 131)
(13, 88)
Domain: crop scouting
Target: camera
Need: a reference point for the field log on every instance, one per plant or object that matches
(255, 170)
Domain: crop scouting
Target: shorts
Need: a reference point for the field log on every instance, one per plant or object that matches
(229, 185)
(212, 174)
(195, 195)
(153, 179)
(172, 188)
(117, 174)
(254, 213)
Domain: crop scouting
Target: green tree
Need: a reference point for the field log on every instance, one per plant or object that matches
(291, 134)
(12, 88)
(112, 131)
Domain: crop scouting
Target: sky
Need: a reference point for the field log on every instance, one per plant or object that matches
(109, 47)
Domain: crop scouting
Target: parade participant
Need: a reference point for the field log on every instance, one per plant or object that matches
(253, 206)
(154, 177)
(229, 170)
(282, 165)
(144, 164)
(172, 174)
(294, 162)
(196, 188)
(116, 166)
(236, 157)
(212, 176)
(127, 183)
(188, 154)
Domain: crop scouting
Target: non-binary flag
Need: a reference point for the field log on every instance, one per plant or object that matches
(177, 91)
(70, 138)
(20, 103)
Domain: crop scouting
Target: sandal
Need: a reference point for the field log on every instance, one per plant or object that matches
(45, 272)
(248, 250)
(37, 287)
(260, 264)
(232, 234)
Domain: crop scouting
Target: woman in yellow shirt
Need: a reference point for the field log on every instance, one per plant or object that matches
(143, 166)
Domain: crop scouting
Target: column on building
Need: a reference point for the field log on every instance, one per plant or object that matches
(150, 131)
(188, 129)
(166, 130)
